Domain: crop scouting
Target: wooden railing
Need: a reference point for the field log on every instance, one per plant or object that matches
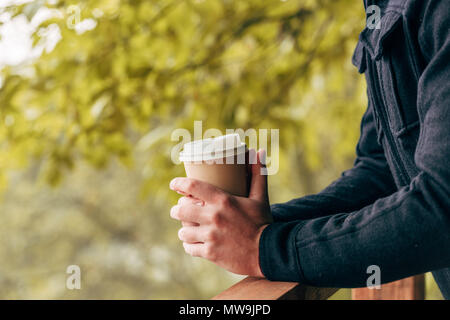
(261, 289)
(412, 288)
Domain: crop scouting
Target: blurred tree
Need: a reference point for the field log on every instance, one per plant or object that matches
(122, 76)
(149, 67)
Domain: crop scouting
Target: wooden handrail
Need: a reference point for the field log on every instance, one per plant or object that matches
(252, 288)
(412, 288)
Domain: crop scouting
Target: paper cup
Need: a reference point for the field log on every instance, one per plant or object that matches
(219, 161)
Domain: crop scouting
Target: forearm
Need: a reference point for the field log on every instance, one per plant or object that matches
(404, 234)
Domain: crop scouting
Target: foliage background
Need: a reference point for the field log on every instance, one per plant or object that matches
(85, 130)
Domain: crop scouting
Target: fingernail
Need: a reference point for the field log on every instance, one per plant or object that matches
(172, 211)
(172, 184)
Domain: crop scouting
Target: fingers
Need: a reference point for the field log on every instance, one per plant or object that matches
(195, 188)
(258, 185)
(199, 242)
(190, 200)
(200, 250)
(193, 234)
(189, 213)
(194, 249)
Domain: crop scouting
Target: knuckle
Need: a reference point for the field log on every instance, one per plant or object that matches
(216, 218)
(191, 184)
(224, 200)
(211, 236)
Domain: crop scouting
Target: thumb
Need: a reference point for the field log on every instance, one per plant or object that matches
(258, 185)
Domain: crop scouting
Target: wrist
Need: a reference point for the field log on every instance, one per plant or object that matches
(258, 272)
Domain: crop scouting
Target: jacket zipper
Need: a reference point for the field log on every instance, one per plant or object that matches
(379, 105)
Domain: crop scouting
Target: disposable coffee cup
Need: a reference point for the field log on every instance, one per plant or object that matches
(219, 161)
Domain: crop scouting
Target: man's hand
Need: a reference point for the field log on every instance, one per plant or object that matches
(220, 227)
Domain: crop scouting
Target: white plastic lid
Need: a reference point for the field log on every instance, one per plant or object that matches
(212, 148)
